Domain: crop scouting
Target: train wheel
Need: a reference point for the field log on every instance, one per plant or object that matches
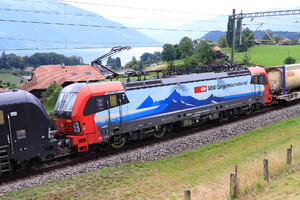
(223, 116)
(161, 132)
(118, 143)
(248, 111)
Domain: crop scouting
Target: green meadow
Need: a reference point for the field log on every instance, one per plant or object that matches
(269, 55)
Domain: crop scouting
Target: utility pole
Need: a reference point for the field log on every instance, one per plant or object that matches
(254, 15)
(233, 36)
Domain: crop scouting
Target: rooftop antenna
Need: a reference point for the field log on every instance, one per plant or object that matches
(113, 51)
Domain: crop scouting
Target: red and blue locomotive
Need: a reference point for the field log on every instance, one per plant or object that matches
(115, 112)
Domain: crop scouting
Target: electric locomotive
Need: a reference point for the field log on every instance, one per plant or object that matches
(115, 112)
(25, 131)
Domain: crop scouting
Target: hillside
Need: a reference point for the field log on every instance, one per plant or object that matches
(43, 24)
(214, 35)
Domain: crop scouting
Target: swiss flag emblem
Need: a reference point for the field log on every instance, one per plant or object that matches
(200, 89)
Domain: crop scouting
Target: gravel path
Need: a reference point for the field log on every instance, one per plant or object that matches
(163, 149)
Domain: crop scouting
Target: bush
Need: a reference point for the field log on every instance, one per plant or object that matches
(290, 60)
(246, 59)
(51, 94)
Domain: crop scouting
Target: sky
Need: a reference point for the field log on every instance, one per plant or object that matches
(173, 12)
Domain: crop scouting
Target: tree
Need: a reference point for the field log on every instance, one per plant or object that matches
(185, 47)
(229, 32)
(223, 42)
(176, 51)
(132, 63)
(247, 39)
(157, 55)
(204, 52)
(3, 61)
(13, 61)
(118, 62)
(145, 57)
(109, 61)
(267, 38)
(246, 59)
(113, 62)
(168, 53)
(51, 94)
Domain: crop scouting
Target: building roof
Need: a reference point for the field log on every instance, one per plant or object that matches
(29, 69)
(43, 76)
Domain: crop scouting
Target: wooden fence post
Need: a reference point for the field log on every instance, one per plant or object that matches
(266, 170)
(289, 155)
(233, 185)
(187, 194)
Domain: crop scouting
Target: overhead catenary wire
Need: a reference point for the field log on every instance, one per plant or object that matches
(63, 48)
(97, 15)
(98, 26)
(139, 8)
(62, 2)
(71, 42)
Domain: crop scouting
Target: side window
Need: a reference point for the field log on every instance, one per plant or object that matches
(259, 79)
(113, 100)
(262, 80)
(1, 117)
(99, 103)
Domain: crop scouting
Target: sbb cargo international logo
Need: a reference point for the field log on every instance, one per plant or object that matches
(200, 89)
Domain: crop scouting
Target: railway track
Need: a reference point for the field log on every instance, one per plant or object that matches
(140, 150)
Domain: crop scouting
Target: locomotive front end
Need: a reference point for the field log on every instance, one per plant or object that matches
(75, 112)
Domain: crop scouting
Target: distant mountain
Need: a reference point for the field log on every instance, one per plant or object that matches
(199, 29)
(214, 35)
(43, 24)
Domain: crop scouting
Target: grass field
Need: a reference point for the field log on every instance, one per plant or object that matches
(264, 55)
(10, 78)
(269, 55)
(205, 171)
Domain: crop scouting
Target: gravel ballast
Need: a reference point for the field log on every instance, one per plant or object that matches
(163, 149)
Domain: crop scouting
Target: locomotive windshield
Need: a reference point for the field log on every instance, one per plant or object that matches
(65, 103)
(66, 99)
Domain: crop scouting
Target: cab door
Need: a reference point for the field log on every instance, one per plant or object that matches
(258, 81)
(5, 138)
(115, 112)
(18, 132)
(256, 86)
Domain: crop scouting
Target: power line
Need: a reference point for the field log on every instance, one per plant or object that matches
(139, 8)
(63, 42)
(63, 48)
(97, 15)
(63, 2)
(101, 26)
(35, 1)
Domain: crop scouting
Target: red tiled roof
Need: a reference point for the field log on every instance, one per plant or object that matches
(2, 90)
(28, 69)
(44, 75)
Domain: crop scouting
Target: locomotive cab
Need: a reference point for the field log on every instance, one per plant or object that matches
(75, 110)
(24, 128)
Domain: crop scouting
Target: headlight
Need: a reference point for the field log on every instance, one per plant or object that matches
(76, 127)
